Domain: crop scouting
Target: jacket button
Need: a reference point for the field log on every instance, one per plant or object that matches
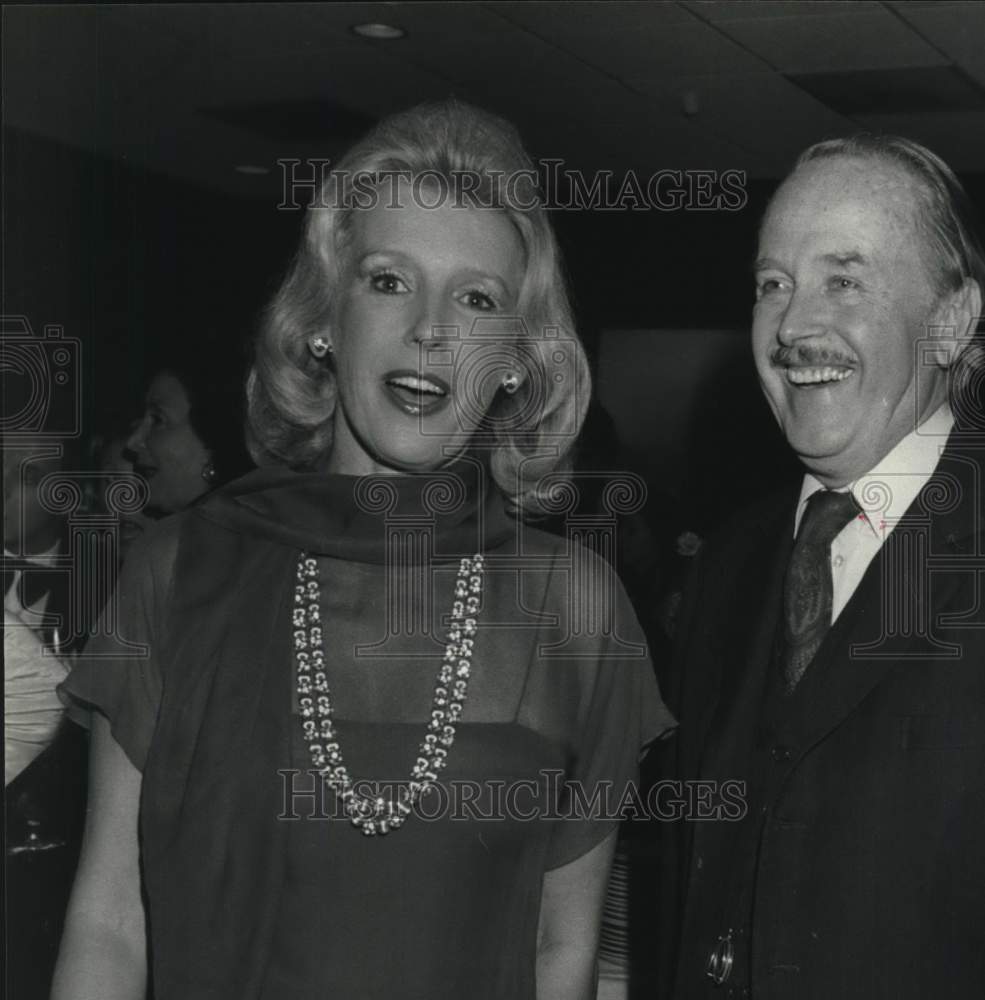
(720, 960)
(780, 753)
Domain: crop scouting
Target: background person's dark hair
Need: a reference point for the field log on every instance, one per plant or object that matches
(216, 389)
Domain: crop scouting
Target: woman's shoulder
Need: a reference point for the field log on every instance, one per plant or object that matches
(532, 538)
(158, 544)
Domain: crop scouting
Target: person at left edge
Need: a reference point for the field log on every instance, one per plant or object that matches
(268, 609)
(44, 752)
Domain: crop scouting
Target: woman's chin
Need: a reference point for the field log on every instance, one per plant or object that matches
(410, 458)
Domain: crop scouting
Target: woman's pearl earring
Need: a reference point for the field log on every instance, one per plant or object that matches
(511, 383)
(319, 346)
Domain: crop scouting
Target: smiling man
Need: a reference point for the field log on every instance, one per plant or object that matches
(832, 651)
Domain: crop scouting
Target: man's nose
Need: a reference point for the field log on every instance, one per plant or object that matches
(804, 316)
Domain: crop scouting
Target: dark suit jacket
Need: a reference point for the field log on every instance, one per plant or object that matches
(864, 863)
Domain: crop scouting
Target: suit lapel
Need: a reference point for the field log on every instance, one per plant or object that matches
(893, 615)
(756, 603)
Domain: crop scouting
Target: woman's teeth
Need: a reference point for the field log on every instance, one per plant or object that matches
(817, 376)
(413, 384)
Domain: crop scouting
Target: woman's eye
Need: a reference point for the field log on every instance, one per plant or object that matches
(476, 299)
(388, 283)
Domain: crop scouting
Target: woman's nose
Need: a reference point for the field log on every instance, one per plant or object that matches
(431, 322)
(137, 437)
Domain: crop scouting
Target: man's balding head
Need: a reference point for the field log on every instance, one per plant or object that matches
(867, 290)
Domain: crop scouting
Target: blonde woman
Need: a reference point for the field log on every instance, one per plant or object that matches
(346, 767)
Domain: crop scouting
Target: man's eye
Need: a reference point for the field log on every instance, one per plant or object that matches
(842, 284)
(388, 283)
(767, 286)
(476, 299)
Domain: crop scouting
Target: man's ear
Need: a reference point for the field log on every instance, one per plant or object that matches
(954, 322)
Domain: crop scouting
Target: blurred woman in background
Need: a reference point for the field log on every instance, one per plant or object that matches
(191, 436)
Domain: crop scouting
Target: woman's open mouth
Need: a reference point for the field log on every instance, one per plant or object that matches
(418, 395)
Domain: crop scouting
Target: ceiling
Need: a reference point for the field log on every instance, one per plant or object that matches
(195, 90)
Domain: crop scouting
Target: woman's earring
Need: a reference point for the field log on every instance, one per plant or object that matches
(208, 472)
(319, 346)
(511, 383)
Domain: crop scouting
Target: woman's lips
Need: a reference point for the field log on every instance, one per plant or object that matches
(417, 395)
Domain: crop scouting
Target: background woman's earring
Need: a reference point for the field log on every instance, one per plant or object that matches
(511, 383)
(319, 346)
(208, 472)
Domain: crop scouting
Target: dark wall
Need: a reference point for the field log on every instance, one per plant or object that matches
(678, 269)
(133, 264)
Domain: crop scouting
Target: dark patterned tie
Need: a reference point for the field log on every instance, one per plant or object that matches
(807, 590)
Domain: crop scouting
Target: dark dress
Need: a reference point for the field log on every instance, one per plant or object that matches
(257, 889)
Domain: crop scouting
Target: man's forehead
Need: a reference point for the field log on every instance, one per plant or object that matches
(837, 181)
(853, 209)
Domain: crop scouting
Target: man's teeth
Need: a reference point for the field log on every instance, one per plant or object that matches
(417, 385)
(817, 376)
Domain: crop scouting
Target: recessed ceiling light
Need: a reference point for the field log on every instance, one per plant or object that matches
(252, 169)
(374, 29)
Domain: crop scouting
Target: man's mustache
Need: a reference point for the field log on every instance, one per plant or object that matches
(809, 356)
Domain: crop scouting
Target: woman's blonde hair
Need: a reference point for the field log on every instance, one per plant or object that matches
(453, 151)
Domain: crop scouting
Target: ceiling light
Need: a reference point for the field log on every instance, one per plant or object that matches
(252, 169)
(373, 29)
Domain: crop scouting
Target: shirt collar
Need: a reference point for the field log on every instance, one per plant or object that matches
(48, 559)
(885, 492)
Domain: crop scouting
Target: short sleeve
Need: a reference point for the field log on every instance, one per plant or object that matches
(118, 673)
(623, 714)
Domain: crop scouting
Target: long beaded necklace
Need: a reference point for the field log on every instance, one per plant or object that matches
(370, 814)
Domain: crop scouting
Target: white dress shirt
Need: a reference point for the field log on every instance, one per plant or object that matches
(31, 708)
(883, 494)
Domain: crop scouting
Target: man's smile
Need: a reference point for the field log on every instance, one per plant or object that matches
(804, 375)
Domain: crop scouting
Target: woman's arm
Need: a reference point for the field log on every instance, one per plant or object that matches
(570, 916)
(103, 954)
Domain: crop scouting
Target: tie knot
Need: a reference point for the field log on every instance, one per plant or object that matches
(826, 514)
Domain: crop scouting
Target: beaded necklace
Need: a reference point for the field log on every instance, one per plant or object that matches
(376, 815)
